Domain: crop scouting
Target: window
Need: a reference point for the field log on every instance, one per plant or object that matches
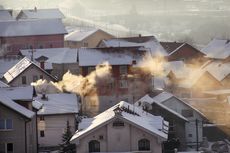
(190, 135)
(2, 148)
(10, 147)
(143, 145)
(90, 69)
(51, 45)
(42, 118)
(6, 124)
(42, 133)
(9, 124)
(23, 79)
(118, 123)
(35, 78)
(187, 113)
(123, 84)
(123, 70)
(41, 76)
(85, 44)
(94, 146)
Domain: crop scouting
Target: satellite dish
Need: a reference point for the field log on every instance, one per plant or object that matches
(146, 106)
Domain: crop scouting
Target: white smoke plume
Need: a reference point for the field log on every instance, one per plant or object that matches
(77, 83)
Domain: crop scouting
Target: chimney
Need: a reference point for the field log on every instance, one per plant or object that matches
(139, 35)
(134, 62)
(44, 97)
(35, 9)
(42, 65)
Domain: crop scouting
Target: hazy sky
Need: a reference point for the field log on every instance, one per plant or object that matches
(194, 20)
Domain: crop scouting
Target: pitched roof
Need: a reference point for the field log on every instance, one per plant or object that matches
(171, 46)
(18, 93)
(31, 27)
(53, 55)
(19, 68)
(217, 48)
(149, 100)
(114, 56)
(5, 15)
(149, 42)
(152, 124)
(53, 13)
(58, 104)
(164, 96)
(16, 107)
(79, 35)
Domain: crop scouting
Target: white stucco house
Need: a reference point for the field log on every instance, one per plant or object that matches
(52, 119)
(121, 128)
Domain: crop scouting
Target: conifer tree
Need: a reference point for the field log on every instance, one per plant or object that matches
(66, 146)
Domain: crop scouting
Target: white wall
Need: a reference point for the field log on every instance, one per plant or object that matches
(118, 139)
(54, 127)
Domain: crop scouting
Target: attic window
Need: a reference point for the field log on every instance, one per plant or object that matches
(118, 123)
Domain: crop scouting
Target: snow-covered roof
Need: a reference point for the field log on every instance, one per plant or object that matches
(53, 13)
(5, 15)
(16, 107)
(66, 56)
(19, 68)
(139, 118)
(31, 27)
(54, 55)
(164, 96)
(58, 104)
(18, 93)
(217, 48)
(149, 100)
(2, 84)
(218, 69)
(6, 64)
(79, 35)
(93, 57)
(150, 44)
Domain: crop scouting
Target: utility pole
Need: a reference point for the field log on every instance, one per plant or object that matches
(197, 136)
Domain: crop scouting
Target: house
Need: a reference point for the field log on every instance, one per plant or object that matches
(24, 73)
(31, 34)
(124, 76)
(150, 43)
(176, 121)
(17, 120)
(217, 49)
(127, 126)
(184, 52)
(56, 61)
(6, 15)
(86, 38)
(40, 14)
(57, 109)
(183, 118)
